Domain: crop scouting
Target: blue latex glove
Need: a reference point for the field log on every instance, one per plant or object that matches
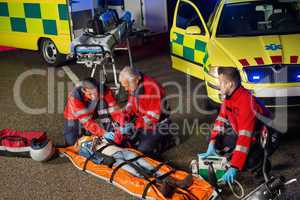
(109, 136)
(230, 175)
(210, 151)
(125, 129)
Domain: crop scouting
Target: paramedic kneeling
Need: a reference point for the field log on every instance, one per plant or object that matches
(146, 110)
(88, 101)
(238, 127)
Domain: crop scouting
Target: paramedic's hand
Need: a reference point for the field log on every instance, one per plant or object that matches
(210, 151)
(126, 128)
(109, 136)
(230, 175)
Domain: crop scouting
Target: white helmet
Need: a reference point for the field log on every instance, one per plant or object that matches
(41, 150)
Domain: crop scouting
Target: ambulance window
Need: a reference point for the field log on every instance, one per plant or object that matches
(188, 16)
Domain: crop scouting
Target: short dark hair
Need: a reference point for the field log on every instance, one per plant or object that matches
(90, 83)
(231, 73)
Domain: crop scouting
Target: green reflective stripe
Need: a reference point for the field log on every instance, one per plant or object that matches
(81, 112)
(222, 119)
(63, 12)
(50, 27)
(147, 120)
(153, 114)
(245, 133)
(32, 10)
(4, 9)
(179, 38)
(205, 58)
(219, 128)
(200, 45)
(18, 24)
(85, 119)
(188, 53)
(242, 149)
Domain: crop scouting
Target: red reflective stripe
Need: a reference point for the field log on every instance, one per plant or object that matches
(259, 61)
(276, 59)
(244, 62)
(294, 59)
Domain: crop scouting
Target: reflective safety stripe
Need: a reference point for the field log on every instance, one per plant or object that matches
(128, 106)
(153, 114)
(105, 120)
(107, 111)
(147, 120)
(219, 128)
(81, 112)
(241, 149)
(245, 133)
(222, 119)
(85, 119)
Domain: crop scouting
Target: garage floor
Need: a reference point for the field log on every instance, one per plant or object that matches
(58, 179)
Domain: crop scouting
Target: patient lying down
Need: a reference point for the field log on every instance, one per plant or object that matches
(100, 152)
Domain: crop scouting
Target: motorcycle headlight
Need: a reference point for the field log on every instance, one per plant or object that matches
(213, 71)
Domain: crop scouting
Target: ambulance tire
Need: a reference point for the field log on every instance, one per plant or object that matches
(50, 53)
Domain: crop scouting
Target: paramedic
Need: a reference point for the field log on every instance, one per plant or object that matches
(146, 109)
(241, 121)
(89, 100)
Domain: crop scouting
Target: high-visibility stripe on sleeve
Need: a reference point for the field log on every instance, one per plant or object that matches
(245, 133)
(107, 111)
(81, 112)
(147, 120)
(153, 114)
(129, 106)
(222, 119)
(242, 149)
(219, 128)
(85, 119)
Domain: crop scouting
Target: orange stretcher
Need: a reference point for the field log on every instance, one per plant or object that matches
(142, 188)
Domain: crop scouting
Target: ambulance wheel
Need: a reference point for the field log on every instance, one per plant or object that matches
(50, 53)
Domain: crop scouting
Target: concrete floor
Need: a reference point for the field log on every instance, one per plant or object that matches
(58, 179)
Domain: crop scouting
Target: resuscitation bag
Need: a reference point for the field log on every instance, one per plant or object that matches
(34, 144)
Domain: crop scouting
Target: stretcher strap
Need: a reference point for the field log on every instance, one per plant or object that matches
(160, 178)
(104, 147)
(86, 161)
(91, 156)
(157, 168)
(126, 162)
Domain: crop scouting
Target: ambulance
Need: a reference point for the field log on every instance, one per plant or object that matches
(50, 25)
(37, 25)
(261, 38)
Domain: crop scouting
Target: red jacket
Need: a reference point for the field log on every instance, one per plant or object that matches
(241, 111)
(80, 108)
(145, 103)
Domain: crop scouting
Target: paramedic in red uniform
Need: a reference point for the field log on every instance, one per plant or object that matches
(88, 101)
(145, 109)
(241, 121)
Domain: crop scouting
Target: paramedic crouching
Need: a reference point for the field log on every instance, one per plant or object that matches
(239, 126)
(146, 110)
(88, 101)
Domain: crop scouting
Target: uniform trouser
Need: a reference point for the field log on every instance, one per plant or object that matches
(72, 131)
(225, 145)
(149, 141)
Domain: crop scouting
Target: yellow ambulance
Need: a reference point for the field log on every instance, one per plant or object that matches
(261, 38)
(37, 25)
